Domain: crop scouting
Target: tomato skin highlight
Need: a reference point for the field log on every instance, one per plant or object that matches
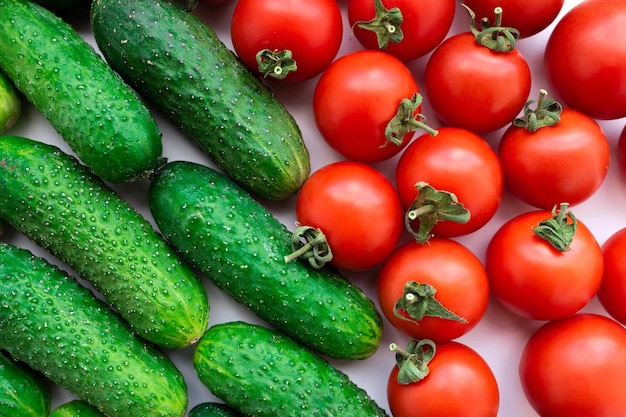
(358, 210)
(536, 281)
(457, 374)
(452, 269)
(575, 366)
(543, 168)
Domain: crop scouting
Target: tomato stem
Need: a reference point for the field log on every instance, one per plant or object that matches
(406, 120)
(497, 38)
(275, 64)
(315, 249)
(418, 301)
(413, 362)
(547, 112)
(558, 231)
(386, 24)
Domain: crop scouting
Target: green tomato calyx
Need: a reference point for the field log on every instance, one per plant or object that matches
(276, 64)
(547, 112)
(495, 37)
(558, 230)
(386, 24)
(418, 301)
(406, 120)
(315, 249)
(413, 362)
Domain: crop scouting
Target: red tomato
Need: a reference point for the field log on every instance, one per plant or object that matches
(311, 30)
(456, 274)
(584, 62)
(576, 367)
(459, 383)
(621, 151)
(457, 161)
(465, 90)
(612, 292)
(421, 25)
(529, 17)
(358, 210)
(535, 280)
(356, 98)
(543, 168)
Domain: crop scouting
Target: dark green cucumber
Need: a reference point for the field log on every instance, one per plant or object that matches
(76, 408)
(210, 409)
(241, 247)
(176, 62)
(102, 119)
(10, 103)
(58, 327)
(263, 373)
(23, 392)
(62, 206)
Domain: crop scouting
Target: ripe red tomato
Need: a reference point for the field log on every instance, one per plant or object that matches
(452, 270)
(575, 367)
(584, 62)
(458, 161)
(465, 91)
(543, 168)
(459, 383)
(310, 30)
(358, 210)
(417, 26)
(612, 292)
(621, 151)
(529, 17)
(355, 100)
(535, 280)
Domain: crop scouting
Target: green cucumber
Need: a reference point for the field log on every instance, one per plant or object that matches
(58, 327)
(10, 103)
(76, 408)
(210, 409)
(263, 373)
(237, 243)
(63, 207)
(23, 392)
(177, 63)
(101, 118)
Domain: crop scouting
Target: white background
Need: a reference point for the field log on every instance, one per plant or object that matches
(499, 337)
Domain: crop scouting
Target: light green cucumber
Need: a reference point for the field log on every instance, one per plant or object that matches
(76, 408)
(58, 327)
(263, 373)
(240, 246)
(177, 63)
(63, 207)
(211, 409)
(10, 103)
(23, 392)
(102, 119)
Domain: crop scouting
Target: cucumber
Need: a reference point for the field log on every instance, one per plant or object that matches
(261, 372)
(210, 409)
(63, 207)
(237, 243)
(76, 408)
(23, 392)
(58, 327)
(10, 103)
(101, 118)
(177, 63)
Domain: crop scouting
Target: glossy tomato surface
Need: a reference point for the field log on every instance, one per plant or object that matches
(612, 292)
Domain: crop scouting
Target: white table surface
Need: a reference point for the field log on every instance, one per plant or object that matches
(499, 337)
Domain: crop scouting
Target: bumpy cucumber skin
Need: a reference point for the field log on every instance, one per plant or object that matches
(240, 246)
(209, 409)
(263, 373)
(10, 103)
(23, 393)
(56, 326)
(59, 204)
(174, 60)
(76, 408)
(105, 123)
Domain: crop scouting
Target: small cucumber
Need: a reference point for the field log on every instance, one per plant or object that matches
(101, 118)
(176, 62)
(62, 206)
(76, 408)
(263, 373)
(241, 247)
(10, 103)
(58, 327)
(209, 409)
(23, 393)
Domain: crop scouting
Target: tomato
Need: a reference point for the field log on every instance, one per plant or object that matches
(575, 367)
(542, 168)
(452, 270)
(621, 151)
(418, 26)
(475, 87)
(307, 33)
(612, 292)
(536, 280)
(357, 97)
(459, 383)
(584, 63)
(357, 209)
(457, 161)
(529, 17)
